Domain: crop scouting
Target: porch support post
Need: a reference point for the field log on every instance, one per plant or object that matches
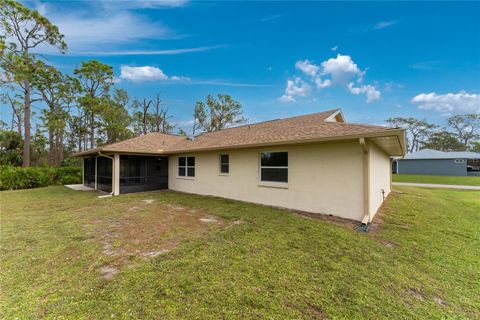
(83, 171)
(116, 175)
(96, 172)
(391, 173)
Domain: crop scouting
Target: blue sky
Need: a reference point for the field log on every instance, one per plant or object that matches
(374, 60)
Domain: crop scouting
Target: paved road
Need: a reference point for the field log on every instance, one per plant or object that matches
(431, 185)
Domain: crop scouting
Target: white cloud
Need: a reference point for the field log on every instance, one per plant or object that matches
(334, 48)
(384, 24)
(148, 52)
(146, 73)
(88, 32)
(339, 71)
(307, 67)
(108, 34)
(185, 124)
(389, 86)
(286, 99)
(461, 102)
(105, 28)
(371, 92)
(143, 4)
(295, 87)
(42, 8)
(179, 78)
(312, 70)
(110, 28)
(322, 83)
(123, 27)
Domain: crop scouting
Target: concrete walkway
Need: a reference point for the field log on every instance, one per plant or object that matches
(79, 187)
(431, 185)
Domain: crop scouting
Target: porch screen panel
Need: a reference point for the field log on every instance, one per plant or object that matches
(104, 174)
(138, 173)
(89, 172)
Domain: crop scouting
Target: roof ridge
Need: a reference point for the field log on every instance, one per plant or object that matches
(165, 134)
(360, 125)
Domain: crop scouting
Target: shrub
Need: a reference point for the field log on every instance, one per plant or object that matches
(24, 178)
(69, 175)
(71, 162)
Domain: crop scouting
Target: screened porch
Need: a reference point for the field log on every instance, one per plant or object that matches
(133, 173)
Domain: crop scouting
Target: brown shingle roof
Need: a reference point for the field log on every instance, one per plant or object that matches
(306, 127)
(154, 142)
(290, 130)
(149, 143)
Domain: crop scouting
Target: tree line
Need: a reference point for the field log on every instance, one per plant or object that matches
(75, 112)
(462, 133)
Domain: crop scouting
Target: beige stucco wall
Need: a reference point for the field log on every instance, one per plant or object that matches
(379, 172)
(323, 178)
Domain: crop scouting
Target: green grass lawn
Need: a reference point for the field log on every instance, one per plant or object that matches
(243, 261)
(470, 181)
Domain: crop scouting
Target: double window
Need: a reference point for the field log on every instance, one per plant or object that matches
(186, 166)
(224, 164)
(274, 167)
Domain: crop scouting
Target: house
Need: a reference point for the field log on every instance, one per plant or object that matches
(315, 163)
(433, 162)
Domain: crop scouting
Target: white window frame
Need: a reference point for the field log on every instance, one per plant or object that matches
(186, 176)
(220, 164)
(273, 184)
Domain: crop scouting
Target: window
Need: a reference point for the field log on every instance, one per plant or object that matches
(473, 165)
(460, 160)
(186, 166)
(274, 166)
(224, 163)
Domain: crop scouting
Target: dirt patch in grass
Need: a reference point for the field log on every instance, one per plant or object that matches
(149, 230)
(108, 271)
(377, 221)
(351, 224)
(155, 253)
(439, 301)
(388, 244)
(416, 293)
(315, 312)
(209, 219)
